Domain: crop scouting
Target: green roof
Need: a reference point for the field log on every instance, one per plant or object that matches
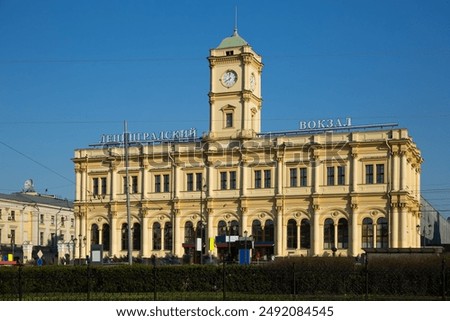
(234, 41)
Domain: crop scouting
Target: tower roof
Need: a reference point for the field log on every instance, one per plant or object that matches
(234, 41)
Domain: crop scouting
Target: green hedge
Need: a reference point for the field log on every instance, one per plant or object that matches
(317, 277)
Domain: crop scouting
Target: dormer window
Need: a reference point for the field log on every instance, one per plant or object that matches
(229, 53)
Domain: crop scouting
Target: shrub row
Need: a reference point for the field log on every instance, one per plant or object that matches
(301, 276)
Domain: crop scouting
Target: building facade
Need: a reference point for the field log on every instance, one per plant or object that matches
(30, 221)
(327, 189)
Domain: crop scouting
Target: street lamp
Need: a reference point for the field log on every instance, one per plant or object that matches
(424, 233)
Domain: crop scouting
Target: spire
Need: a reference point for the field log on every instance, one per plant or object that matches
(235, 33)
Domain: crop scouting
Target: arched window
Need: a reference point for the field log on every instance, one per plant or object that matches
(168, 243)
(305, 234)
(124, 236)
(156, 236)
(342, 234)
(328, 234)
(105, 237)
(291, 234)
(367, 233)
(95, 234)
(257, 231)
(222, 228)
(189, 234)
(382, 233)
(136, 236)
(269, 231)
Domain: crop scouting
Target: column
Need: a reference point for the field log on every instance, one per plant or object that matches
(403, 165)
(279, 178)
(145, 235)
(354, 174)
(394, 226)
(78, 183)
(113, 179)
(178, 233)
(395, 173)
(316, 233)
(316, 173)
(244, 173)
(115, 237)
(355, 240)
(279, 235)
(145, 182)
(403, 222)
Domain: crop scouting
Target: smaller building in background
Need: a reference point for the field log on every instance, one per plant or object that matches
(34, 226)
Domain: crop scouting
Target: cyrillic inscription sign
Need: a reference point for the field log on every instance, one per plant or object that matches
(325, 123)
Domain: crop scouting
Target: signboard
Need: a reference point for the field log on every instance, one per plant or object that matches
(325, 123)
(149, 137)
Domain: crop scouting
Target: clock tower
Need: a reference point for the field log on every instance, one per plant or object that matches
(235, 90)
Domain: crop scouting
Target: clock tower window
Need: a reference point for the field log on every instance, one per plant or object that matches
(229, 120)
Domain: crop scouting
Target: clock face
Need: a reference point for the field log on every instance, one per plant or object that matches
(229, 78)
(252, 82)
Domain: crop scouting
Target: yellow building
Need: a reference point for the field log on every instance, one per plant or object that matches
(329, 188)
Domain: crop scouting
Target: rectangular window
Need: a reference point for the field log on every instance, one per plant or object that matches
(41, 219)
(166, 182)
(330, 176)
(0, 213)
(72, 222)
(52, 220)
(267, 178)
(303, 177)
(12, 216)
(103, 179)
(229, 120)
(157, 183)
(0, 236)
(199, 181)
(134, 184)
(41, 238)
(223, 180)
(293, 177)
(190, 182)
(95, 186)
(369, 174)
(380, 173)
(341, 175)
(258, 179)
(233, 180)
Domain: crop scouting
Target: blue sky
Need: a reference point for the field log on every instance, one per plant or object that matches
(73, 70)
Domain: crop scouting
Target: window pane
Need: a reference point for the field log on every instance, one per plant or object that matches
(380, 173)
(303, 177)
(232, 180)
(330, 176)
(292, 234)
(341, 175)
(166, 183)
(305, 234)
(293, 177)
(267, 178)
(328, 234)
(223, 180)
(157, 183)
(190, 182)
(258, 179)
(369, 174)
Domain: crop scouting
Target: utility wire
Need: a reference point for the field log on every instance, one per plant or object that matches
(37, 162)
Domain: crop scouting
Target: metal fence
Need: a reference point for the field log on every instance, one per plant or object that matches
(291, 281)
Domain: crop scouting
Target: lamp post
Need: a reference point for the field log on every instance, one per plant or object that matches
(424, 233)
